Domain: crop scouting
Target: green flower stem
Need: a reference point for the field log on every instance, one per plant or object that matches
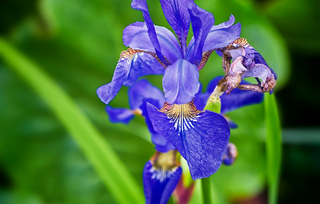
(273, 146)
(214, 105)
(106, 162)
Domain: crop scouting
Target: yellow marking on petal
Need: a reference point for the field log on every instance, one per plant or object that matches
(182, 116)
(165, 161)
(129, 54)
(137, 111)
(240, 42)
(187, 110)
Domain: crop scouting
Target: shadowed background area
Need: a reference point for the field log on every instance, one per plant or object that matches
(78, 43)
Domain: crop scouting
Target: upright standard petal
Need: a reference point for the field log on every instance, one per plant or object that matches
(200, 137)
(136, 36)
(219, 36)
(202, 21)
(119, 115)
(177, 15)
(141, 5)
(143, 89)
(129, 59)
(160, 177)
(180, 82)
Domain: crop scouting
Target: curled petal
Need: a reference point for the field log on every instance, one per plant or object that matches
(136, 36)
(200, 137)
(160, 177)
(177, 15)
(180, 82)
(241, 51)
(230, 154)
(202, 21)
(119, 115)
(219, 36)
(143, 89)
(161, 143)
(143, 64)
(129, 59)
(108, 91)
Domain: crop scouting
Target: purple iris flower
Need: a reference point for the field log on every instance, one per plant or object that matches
(156, 50)
(162, 173)
(201, 137)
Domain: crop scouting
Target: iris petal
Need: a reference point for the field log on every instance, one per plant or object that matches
(180, 82)
(177, 15)
(143, 89)
(161, 143)
(202, 21)
(119, 115)
(136, 36)
(159, 183)
(129, 60)
(219, 36)
(108, 91)
(143, 64)
(141, 5)
(200, 137)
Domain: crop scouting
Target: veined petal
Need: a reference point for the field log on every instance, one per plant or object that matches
(141, 5)
(160, 177)
(219, 36)
(136, 36)
(108, 91)
(161, 143)
(143, 64)
(202, 21)
(180, 82)
(129, 60)
(119, 115)
(237, 98)
(200, 137)
(143, 89)
(177, 15)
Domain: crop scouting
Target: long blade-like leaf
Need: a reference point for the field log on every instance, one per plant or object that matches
(273, 146)
(108, 165)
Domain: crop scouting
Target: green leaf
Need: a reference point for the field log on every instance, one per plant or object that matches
(273, 146)
(113, 172)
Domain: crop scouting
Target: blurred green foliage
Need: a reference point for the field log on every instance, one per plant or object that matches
(78, 43)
